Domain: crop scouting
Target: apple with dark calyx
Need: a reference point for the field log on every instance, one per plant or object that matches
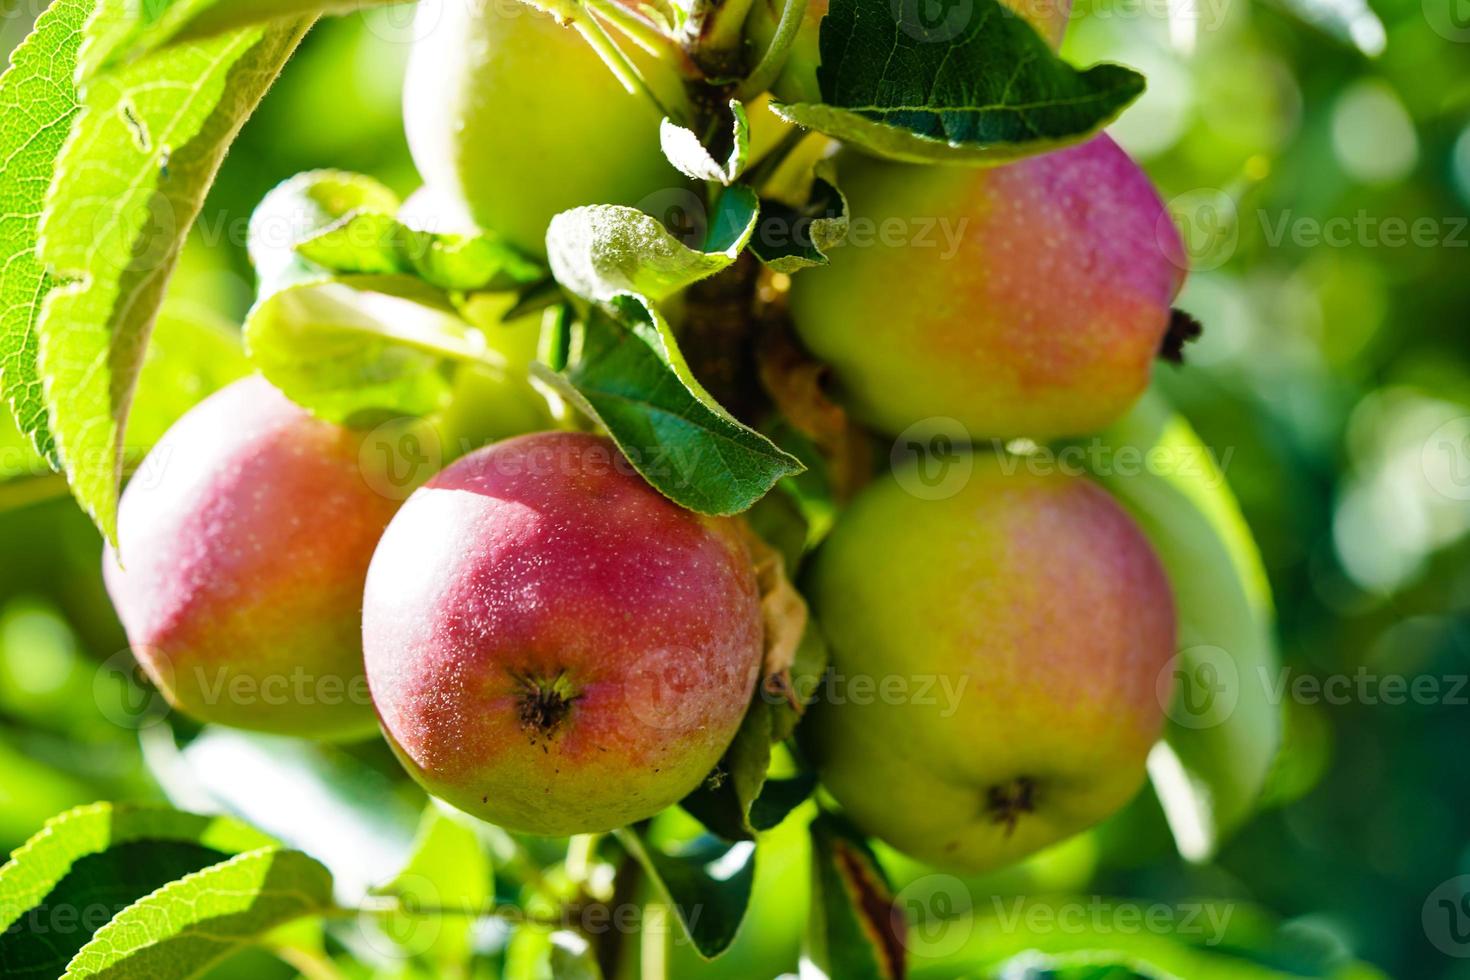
(551, 644)
(244, 539)
(995, 655)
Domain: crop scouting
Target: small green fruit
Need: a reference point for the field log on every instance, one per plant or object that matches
(517, 116)
(995, 655)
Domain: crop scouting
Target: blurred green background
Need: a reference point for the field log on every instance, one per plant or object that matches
(1324, 195)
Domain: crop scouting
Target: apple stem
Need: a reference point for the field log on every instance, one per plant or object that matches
(715, 37)
(623, 69)
(771, 63)
(638, 29)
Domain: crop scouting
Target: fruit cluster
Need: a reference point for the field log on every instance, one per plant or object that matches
(550, 643)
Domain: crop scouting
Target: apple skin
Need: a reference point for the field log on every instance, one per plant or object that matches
(245, 538)
(1042, 598)
(1041, 317)
(551, 644)
(518, 117)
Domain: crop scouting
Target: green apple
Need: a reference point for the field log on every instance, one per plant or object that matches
(995, 654)
(517, 116)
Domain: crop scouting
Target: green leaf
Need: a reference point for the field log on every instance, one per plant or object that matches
(603, 250)
(139, 27)
(191, 354)
(369, 243)
(1224, 728)
(981, 86)
(854, 931)
(537, 953)
(744, 801)
(129, 184)
(448, 869)
(373, 338)
(38, 101)
(183, 927)
(300, 208)
(691, 157)
(87, 864)
(706, 882)
(633, 380)
(363, 349)
(789, 239)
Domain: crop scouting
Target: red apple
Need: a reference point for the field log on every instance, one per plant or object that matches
(244, 539)
(554, 646)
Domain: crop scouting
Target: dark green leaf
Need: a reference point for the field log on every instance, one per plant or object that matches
(189, 924)
(707, 883)
(979, 86)
(87, 864)
(789, 239)
(740, 800)
(855, 930)
(633, 380)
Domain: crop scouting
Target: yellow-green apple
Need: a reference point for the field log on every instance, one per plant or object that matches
(518, 117)
(554, 646)
(995, 654)
(243, 542)
(1029, 299)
